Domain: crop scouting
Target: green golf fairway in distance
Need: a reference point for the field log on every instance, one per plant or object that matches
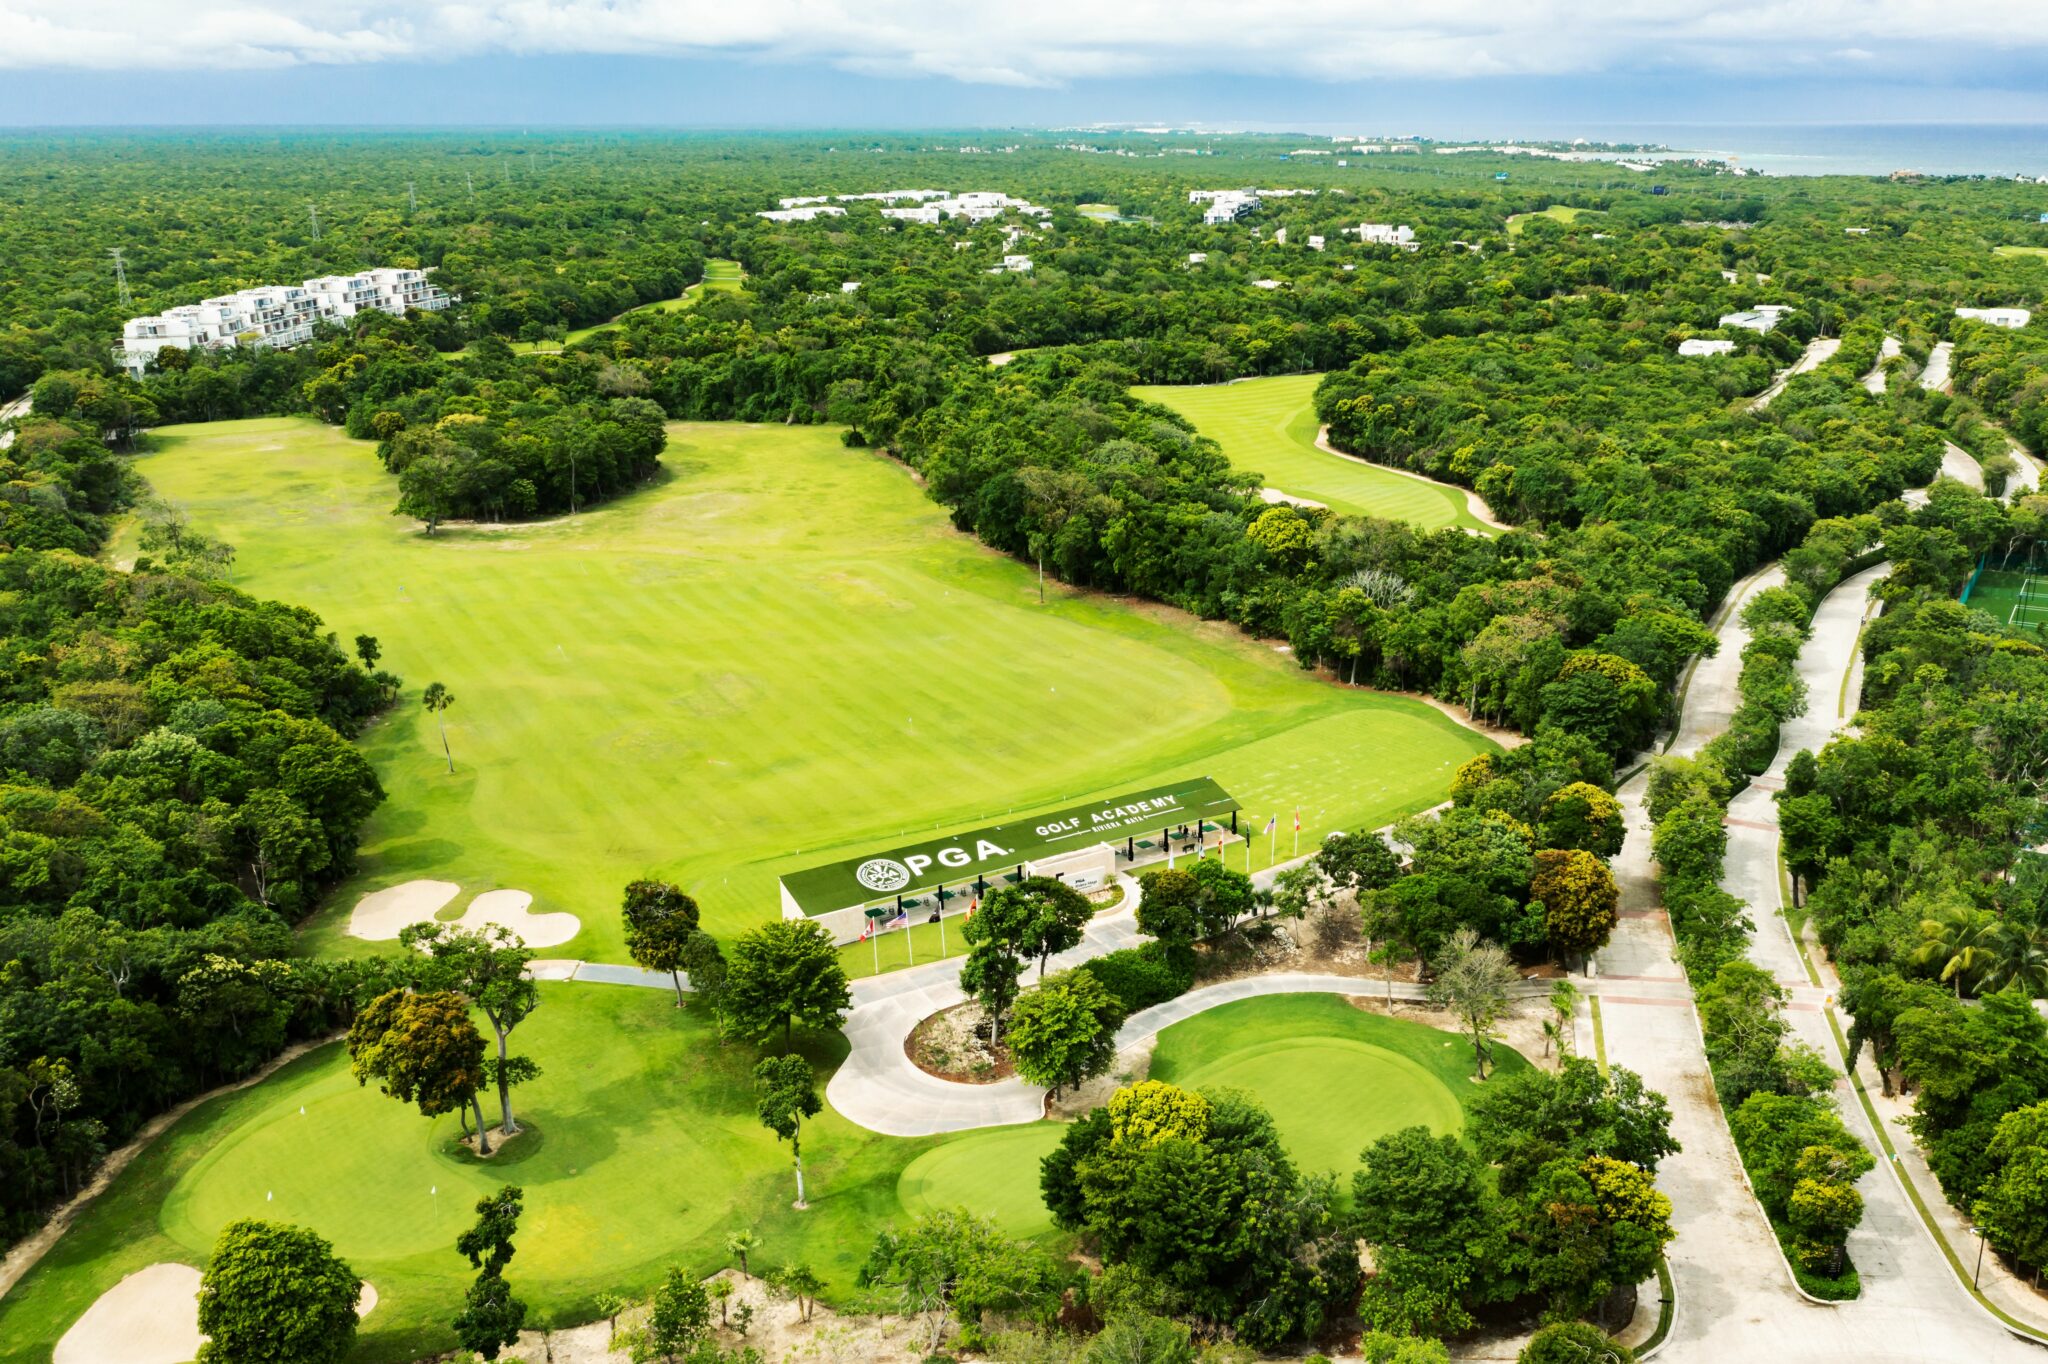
(992, 1173)
(779, 654)
(1268, 426)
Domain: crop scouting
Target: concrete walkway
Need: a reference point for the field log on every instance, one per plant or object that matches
(13, 411)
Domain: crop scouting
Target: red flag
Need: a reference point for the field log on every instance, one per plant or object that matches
(1297, 819)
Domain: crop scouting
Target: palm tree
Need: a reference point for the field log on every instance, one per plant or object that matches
(437, 699)
(2020, 950)
(1962, 941)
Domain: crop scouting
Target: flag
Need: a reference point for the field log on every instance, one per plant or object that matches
(972, 905)
(1297, 819)
(1272, 824)
(867, 929)
(902, 917)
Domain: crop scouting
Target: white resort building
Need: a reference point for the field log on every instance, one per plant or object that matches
(1225, 205)
(802, 213)
(2014, 318)
(1705, 345)
(1386, 234)
(275, 315)
(1762, 318)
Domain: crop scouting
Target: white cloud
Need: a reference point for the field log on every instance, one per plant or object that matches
(1046, 43)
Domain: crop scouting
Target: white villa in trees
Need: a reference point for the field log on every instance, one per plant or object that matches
(2014, 318)
(275, 315)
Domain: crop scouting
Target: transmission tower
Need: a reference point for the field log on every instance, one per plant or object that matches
(466, 180)
(120, 275)
(314, 211)
(412, 198)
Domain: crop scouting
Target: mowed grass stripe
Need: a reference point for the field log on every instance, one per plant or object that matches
(779, 654)
(1268, 426)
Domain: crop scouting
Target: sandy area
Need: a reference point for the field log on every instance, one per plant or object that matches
(1277, 498)
(512, 909)
(150, 1317)
(382, 913)
(775, 1331)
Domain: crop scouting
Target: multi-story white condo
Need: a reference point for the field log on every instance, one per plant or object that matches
(274, 315)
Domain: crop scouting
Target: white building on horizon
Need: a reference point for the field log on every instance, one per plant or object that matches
(1387, 234)
(802, 213)
(275, 316)
(1705, 345)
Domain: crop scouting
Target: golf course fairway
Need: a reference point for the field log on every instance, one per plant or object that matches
(778, 654)
(1268, 426)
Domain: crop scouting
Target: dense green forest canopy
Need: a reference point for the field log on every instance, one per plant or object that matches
(178, 785)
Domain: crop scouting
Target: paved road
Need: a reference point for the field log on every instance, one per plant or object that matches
(1874, 381)
(1710, 691)
(13, 411)
(1817, 350)
(1736, 1301)
(1935, 376)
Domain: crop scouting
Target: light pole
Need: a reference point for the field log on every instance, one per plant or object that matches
(1977, 1276)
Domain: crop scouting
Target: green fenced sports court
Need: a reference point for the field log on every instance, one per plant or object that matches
(2012, 589)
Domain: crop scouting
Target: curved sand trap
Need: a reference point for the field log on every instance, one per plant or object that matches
(509, 907)
(382, 913)
(150, 1317)
(366, 1301)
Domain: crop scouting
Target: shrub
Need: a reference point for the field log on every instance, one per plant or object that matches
(1139, 977)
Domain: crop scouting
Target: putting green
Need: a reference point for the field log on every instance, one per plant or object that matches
(993, 1173)
(1268, 427)
(779, 655)
(645, 1151)
(1334, 1077)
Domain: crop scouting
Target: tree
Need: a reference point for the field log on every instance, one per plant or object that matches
(740, 1244)
(369, 651)
(1064, 1032)
(680, 1317)
(1422, 1206)
(491, 1317)
(490, 966)
(1056, 914)
(781, 974)
(1167, 906)
(1574, 1342)
(422, 1049)
(952, 1263)
(788, 1094)
(1000, 935)
(1225, 896)
(1580, 900)
(798, 1282)
(1583, 816)
(660, 920)
(437, 698)
(2012, 1207)
(276, 1294)
(1358, 862)
(1379, 920)
(1475, 980)
(1564, 1008)
(430, 485)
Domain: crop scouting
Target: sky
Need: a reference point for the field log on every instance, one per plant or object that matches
(1452, 67)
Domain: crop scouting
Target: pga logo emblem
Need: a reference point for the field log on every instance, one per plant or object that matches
(882, 874)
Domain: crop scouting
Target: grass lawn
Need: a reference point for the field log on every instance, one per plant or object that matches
(1335, 1077)
(2037, 252)
(993, 1172)
(645, 1151)
(718, 274)
(1556, 212)
(1268, 426)
(779, 655)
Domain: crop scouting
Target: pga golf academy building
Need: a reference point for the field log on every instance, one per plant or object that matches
(1084, 846)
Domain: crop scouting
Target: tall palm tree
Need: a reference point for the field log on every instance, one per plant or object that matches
(1962, 941)
(2020, 951)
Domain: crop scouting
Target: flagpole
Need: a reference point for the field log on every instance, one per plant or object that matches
(942, 930)
(909, 941)
(875, 946)
(1272, 840)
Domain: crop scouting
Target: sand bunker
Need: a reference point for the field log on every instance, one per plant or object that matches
(381, 914)
(150, 1317)
(509, 907)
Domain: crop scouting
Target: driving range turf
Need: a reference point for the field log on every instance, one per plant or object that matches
(778, 655)
(1268, 426)
(644, 1151)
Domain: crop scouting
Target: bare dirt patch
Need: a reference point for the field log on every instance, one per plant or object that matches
(953, 1044)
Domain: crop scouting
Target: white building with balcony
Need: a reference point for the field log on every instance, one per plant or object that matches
(2014, 318)
(1387, 234)
(275, 316)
